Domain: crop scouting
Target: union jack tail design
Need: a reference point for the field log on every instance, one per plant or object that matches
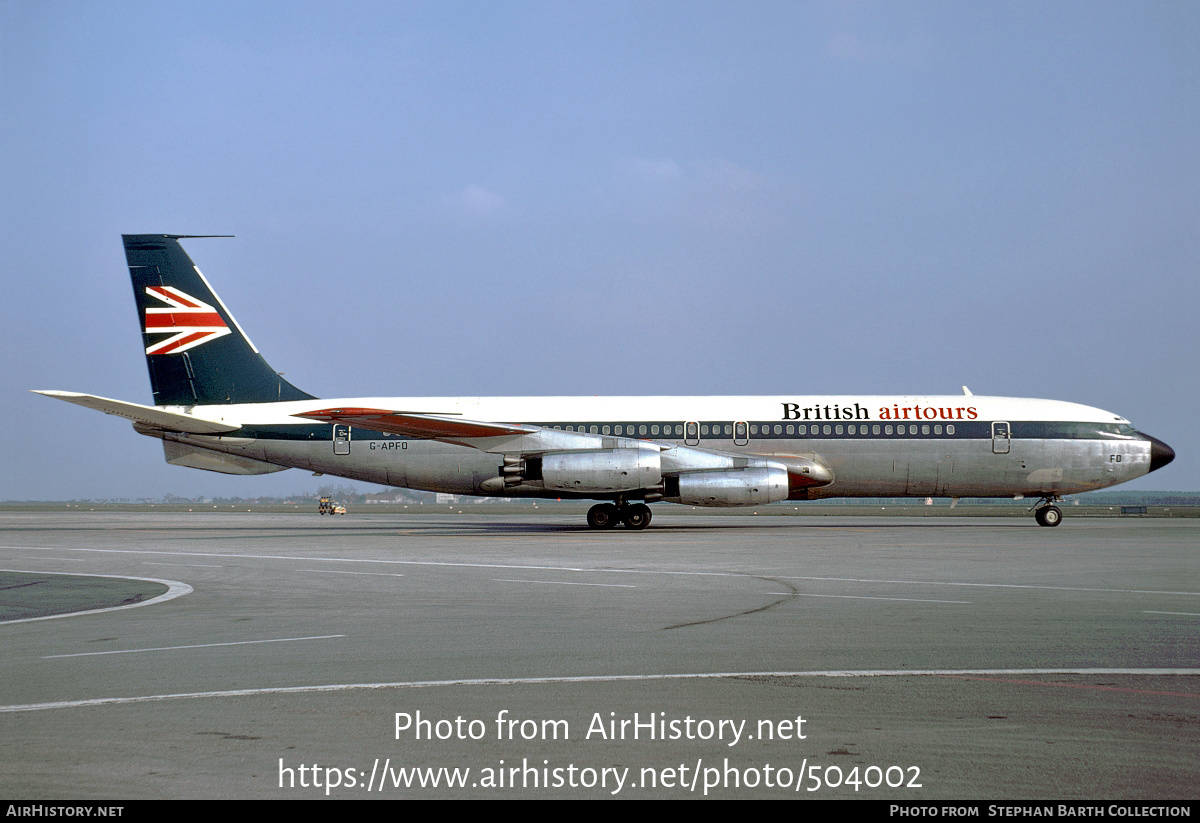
(180, 314)
(189, 321)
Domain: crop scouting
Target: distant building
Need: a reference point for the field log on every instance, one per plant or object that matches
(385, 497)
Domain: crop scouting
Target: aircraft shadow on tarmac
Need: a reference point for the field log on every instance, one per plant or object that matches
(531, 527)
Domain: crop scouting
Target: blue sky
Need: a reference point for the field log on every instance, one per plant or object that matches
(603, 198)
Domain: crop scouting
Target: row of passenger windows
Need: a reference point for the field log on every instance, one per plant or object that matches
(764, 430)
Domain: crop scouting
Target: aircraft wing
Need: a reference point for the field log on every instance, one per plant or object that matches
(149, 415)
(496, 438)
(417, 424)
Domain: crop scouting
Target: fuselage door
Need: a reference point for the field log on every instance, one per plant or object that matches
(1001, 438)
(691, 433)
(341, 439)
(741, 434)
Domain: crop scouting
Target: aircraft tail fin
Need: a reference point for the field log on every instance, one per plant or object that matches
(196, 352)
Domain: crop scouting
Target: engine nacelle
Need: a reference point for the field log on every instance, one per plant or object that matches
(610, 470)
(754, 486)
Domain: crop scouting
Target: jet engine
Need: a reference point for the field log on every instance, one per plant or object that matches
(609, 470)
(753, 486)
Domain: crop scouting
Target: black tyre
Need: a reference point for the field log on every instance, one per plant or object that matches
(1049, 516)
(637, 516)
(602, 516)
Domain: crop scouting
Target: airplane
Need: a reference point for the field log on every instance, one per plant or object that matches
(219, 406)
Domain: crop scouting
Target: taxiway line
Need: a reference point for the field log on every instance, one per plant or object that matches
(174, 589)
(870, 597)
(193, 646)
(600, 678)
(566, 583)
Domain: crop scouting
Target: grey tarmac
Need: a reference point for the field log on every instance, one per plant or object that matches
(979, 658)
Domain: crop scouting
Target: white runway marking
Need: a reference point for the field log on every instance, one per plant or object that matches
(226, 555)
(986, 585)
(565, 583)
(174, 589)
(869, 597)
(335, 571)
(196, 646)
(189, 565)
(616, 678)
(63, 559)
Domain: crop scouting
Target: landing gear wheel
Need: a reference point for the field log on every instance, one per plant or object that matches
(602, 516)
(1048, 516)
(637, 516)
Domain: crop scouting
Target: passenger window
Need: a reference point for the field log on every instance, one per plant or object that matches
(912, 429)
(570, 428)
(754, 429)
(728, 430)
(654, 429)
(704, 430)
(641, 429)
(606, 430)
(851, 430)
(826, 430)
(925, 429)
(937, 429)
(618, 429)
(778, 429)
(875, 429)
(837, 429)
(678, 430)
(887, 429)
(594, 430)
(949, 429)
(791, 430)
(802, 429)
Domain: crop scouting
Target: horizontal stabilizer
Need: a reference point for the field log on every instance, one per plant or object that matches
(415, 424)
(149, 415)
(181, 454)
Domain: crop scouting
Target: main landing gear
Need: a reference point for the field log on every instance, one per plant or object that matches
(1048, 514)
(608, 515)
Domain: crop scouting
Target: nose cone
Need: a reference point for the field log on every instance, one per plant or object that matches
(1160, 453)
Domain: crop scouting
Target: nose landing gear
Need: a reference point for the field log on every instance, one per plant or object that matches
(1048, 514)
